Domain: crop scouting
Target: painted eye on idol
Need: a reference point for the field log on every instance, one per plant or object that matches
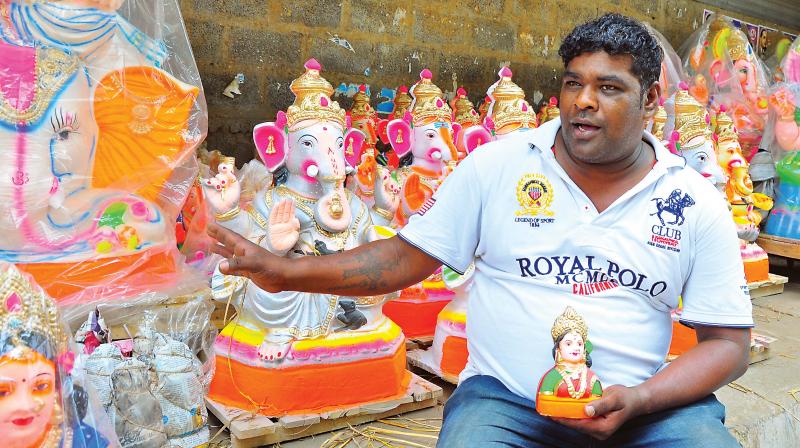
(64, 124)
(430, 134)
(340, 142)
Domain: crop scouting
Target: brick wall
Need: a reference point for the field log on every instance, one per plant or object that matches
(461, 41)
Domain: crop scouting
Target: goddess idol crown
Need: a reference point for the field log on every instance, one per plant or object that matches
(508, 103)
(26, 309)
(428, 105)
(569, 320)
(313, 99)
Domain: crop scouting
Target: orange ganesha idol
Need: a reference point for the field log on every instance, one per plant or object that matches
(565, 389)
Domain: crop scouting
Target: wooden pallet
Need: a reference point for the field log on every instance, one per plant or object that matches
(418, 343)
(767, 288)
(784, 247)
(251, 430)
(420, 359)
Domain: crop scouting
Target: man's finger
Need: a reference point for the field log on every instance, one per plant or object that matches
(603, 405)
(224, 251)
(236, 265)
(226, 237)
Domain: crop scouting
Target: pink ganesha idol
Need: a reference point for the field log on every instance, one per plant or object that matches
(423, 139)
(89, 165)
(282, 346)
(725, 71)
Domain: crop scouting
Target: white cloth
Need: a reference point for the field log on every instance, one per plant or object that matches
(621, 269)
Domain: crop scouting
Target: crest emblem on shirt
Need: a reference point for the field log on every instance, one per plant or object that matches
(535, 194)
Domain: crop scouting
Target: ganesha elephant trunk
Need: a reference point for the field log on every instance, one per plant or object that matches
(333, 212)
(740, 180)
(450, 147)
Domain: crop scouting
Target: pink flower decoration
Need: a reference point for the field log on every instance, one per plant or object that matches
(67, 361)
(139, 209)
(439, 103)
(13, 302)
(323, 101)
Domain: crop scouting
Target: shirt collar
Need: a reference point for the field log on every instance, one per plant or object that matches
(543, 138)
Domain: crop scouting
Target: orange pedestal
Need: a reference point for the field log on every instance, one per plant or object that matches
(552, 406)
(309, 389)
(106, 277)
(454, 355)
(756, 271)
(416, 318)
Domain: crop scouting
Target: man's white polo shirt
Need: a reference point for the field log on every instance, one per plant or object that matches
(540, 245)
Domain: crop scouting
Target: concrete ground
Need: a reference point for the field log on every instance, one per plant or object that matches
(763, 406)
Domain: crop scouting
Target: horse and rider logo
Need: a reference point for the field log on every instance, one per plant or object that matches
(534, 194)
(674, 205)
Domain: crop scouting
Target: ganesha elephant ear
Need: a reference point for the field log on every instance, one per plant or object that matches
(475, 136)
(381, 130)
(353, 145)
(272, 144)
(457, 129)
(142, 115)
(400, 137)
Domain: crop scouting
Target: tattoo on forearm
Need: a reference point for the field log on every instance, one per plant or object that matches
(369, 273)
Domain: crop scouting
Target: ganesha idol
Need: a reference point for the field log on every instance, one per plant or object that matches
(742, 199)
(691, 137)
(365, 119)
(784, 221)
(423, 139)
(466, 116)
(88, 163)
(725, 70)
(508, 113)
(274, 357)
(400, 105)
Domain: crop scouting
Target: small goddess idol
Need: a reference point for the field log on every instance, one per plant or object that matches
(565, 389)
(40, 406)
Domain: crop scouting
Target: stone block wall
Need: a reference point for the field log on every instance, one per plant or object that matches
(463, 42)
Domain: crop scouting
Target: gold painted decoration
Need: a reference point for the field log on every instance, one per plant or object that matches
(428, 104)
(569, 320)
(508, 104)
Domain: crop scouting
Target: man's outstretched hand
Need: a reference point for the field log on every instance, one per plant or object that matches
(617, 405)
(246, 259)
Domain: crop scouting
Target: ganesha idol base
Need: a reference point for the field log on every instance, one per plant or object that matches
(106, 278)
(448, 355)
(756, 262)
(417, 308)
(342, 370)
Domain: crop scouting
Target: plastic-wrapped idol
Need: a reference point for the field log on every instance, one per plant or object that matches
(101, 112)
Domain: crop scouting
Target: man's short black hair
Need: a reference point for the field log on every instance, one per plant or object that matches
(616, 34)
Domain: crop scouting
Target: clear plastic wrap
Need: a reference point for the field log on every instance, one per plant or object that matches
(724, 70)
(153, 377)
(44, 402)
(783, 139)
(102, 111)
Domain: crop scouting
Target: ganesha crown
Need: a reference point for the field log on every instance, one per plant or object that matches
(312, 98)
(690, 118)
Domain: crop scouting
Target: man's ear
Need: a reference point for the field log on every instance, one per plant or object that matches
(651, 100)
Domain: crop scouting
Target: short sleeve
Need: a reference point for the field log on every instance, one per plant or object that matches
(715, 292)
(448, 226)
